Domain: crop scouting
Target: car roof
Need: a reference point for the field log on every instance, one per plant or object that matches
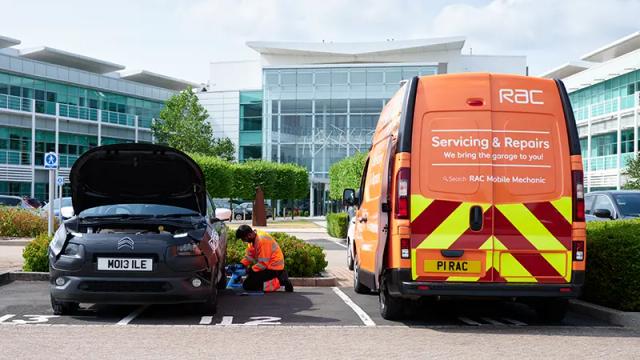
(614, 192)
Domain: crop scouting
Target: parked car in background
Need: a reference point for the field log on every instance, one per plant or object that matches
(245, 211)
(67, 207)
(612, 205)
(17, 201)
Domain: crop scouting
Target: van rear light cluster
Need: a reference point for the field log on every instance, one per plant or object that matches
(402, 193)
(578, 195)
(578, 251)
(405, 248)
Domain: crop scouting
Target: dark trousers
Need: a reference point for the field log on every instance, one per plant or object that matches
(255, 280)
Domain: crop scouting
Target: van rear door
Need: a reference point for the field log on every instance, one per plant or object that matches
(451, 172)
(533, 206)
(491, 181)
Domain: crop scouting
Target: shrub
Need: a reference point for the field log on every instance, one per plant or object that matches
(338, 225)
(613, 264)
(36, 254)
(20, 222)
(301, 258)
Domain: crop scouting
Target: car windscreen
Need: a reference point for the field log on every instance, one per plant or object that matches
(137, 210)
(8, 201)
(629, 204)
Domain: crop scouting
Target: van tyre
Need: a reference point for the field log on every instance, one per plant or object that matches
(552, 310)
(391, 308)
(211, 304)
(358, 287)
(63, 307)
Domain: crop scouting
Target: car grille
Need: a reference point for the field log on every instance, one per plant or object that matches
(125, 286)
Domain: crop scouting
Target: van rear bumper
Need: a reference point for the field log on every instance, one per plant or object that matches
(400, 284)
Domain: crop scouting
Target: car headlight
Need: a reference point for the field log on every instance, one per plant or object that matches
(71, 250)
(187, 249)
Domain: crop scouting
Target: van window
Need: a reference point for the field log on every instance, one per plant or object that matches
(603, 202)
(363, 181)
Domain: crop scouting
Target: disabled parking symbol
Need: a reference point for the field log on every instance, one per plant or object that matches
(50, 160)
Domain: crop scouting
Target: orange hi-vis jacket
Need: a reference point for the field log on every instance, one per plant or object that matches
(264, 252)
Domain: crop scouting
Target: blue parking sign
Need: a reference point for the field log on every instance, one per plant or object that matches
(50, 160)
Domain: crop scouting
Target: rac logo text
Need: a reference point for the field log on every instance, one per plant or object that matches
(520, 96)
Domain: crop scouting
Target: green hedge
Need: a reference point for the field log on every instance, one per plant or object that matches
(230, 180)
(301, 258)
(36, 254)
(338, 225)
(346, 174)
(613, 264)
(20, 223)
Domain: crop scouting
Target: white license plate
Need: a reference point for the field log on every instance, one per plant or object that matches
(125, 264)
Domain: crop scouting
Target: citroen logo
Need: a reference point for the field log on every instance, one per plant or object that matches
(125, 242)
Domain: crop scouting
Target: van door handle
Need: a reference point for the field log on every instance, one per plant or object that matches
(475, 218)
(363, 219)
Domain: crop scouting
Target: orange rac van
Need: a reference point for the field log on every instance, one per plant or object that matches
(473, 187)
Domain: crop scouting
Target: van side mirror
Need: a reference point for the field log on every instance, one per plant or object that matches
(349, 197)
(603, 213)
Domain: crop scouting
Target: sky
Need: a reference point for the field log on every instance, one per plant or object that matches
(180, 38)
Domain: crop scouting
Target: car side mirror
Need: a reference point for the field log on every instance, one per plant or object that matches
(67, 212)
(603, 213)
(348, 197)
(223, 214)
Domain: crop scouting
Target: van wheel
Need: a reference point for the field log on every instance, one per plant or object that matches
(211, 304)
(63, 307)
(553, 310)
(358, 287)
(349, 255)
(391, 308)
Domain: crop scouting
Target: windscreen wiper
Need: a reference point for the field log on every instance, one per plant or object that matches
(175, 215)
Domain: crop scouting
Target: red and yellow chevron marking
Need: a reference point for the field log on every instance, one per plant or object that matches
(528, 242)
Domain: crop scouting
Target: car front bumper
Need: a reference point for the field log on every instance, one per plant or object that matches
(121, 290)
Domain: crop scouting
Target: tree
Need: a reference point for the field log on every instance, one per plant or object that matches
(633, 172)
(183, 125)
(346, 174)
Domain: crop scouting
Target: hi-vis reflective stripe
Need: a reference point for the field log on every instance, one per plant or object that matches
(529, 242)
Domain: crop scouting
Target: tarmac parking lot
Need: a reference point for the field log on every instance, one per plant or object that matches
(27, 302)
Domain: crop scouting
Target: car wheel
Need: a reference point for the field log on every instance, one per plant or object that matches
(63, 307)
(552, 310)
(358, 287)
(349, 255)
(391, 308)
(222, 283)
(238, 217)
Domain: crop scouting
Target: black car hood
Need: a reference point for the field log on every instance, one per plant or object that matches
(137, 174)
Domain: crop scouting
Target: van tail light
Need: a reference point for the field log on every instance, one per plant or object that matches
(405, 248)
(578, 251)
(578, 195)
(402, 193)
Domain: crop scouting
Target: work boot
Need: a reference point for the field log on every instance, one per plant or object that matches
(284, 280)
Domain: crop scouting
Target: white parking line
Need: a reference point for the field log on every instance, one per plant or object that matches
(514, 322)
(366, 320)
(468, 321)
(492, 321)
(206, 320)
(133, 315)
(336, 242)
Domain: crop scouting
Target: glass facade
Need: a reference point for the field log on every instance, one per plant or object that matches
(604, 150)
(16, 93)
(606, 97)
(250, 144)
(317, 116)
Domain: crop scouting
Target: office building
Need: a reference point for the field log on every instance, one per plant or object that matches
(316, 103)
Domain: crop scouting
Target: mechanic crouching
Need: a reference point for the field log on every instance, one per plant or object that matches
(264, 262)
